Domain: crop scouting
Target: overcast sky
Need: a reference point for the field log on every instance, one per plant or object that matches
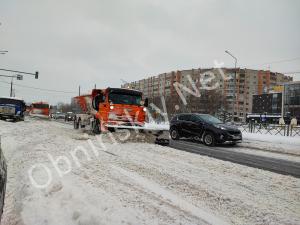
(100, 42)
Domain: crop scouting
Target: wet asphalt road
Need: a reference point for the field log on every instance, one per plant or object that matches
(224, 153)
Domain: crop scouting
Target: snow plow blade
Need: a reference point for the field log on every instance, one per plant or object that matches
(161, 135)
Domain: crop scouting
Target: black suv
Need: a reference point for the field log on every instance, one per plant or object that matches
(203, 127)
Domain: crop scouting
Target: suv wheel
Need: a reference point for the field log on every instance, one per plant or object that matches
(232, 144)
(174, 133)
(209, 139)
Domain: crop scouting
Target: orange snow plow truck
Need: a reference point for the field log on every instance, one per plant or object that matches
(110, 109)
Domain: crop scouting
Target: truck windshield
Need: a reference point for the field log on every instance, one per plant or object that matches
(118, 98)
(11, 101)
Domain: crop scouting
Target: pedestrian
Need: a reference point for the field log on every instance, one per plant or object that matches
(281, 121)
(294, 122)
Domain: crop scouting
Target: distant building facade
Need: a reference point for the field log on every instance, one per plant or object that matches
(267, 103)
(292, 98)
(231, 95)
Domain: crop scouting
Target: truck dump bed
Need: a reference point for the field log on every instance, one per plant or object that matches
(83, 104)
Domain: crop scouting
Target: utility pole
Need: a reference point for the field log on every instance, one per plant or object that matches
(282, 101)
(11, 87)
(18, 76)
(234, 85)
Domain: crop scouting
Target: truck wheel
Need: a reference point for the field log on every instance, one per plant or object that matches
(209, 139)
(96, 126)
(76, 124)
(111, 129)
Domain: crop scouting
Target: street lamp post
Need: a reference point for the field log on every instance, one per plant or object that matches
(234, 85)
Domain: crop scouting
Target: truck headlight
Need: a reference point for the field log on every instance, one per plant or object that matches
(111, 107)
(144, 109)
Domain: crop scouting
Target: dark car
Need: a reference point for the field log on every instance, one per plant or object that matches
(70, 116)
(204, 127)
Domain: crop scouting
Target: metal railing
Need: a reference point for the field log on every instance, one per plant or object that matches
(272, 129)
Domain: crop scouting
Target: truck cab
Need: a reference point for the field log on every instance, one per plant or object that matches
(40, 109)
(110, 108)
(118, 107)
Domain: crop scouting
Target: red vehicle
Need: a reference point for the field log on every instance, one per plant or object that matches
(40, 109)
(110, 108)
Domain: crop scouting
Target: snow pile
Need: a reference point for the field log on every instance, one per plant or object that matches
(275, 143)
(66, 202)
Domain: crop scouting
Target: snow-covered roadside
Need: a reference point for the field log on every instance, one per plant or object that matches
(136, 183)
(272, 143)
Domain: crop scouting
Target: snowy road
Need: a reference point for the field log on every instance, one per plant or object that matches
(107, 182)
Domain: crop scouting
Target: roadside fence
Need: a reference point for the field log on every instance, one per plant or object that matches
(272, 129)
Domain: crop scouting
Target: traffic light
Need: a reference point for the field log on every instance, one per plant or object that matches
(36, 75)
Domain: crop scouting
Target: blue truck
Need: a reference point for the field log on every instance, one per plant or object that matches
(12, 108)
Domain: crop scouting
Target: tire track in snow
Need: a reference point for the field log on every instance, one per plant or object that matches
(170, 197)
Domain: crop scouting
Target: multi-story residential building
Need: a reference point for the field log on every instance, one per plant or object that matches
(234, 96)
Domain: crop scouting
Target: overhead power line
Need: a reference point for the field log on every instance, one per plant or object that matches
(42, 89)
(291, 72)
(275, 62)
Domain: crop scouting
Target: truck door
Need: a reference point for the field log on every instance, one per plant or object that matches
(99, 103)
(103, 107)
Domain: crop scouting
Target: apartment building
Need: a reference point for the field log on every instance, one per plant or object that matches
(217, 88)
